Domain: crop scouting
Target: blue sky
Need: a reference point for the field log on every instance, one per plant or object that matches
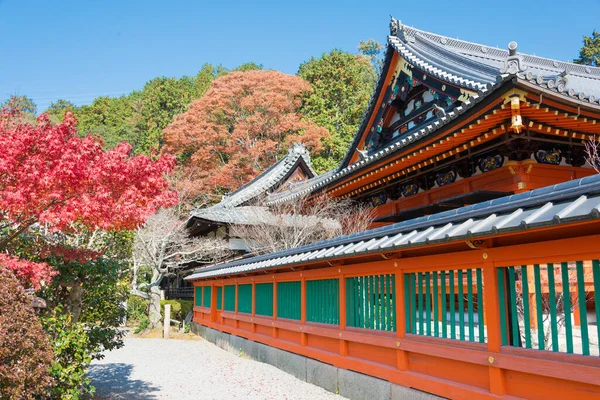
(78, 50)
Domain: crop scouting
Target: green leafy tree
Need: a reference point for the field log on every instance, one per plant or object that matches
(371, 49)
(140, 117)
(114, 119)
(249, 66)
(162, 99)
(342, 86)
(58, 108)
(92, 292)
(207, 74)
(590, 52)
(21, 107)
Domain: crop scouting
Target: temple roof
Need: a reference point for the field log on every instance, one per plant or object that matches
(577, 200)
(271, 178)
(231, 207)
(259, 215)
(475, 67)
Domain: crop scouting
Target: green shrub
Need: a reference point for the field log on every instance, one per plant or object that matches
(137, 309)
(100, 297)
(175, 308)
(72, 356)
(186, 307)
(179, 308)
(143, 323)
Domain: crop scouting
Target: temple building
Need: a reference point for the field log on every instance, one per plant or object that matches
(243, 206)
(453, 123)
(479, 277)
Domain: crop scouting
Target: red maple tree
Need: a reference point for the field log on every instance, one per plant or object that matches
(51, 176)
(242, 125)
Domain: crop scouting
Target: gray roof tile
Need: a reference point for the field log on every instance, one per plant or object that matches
(556, 204)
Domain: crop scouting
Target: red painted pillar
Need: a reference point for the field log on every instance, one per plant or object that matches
(400, 311)
(343, 343)
(492, 317)
(275, 332)
(303, 338)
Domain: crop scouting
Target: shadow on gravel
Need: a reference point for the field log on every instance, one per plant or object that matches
(113, 381)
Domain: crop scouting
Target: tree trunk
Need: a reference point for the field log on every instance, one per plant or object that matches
(154, 313)
(75, 301)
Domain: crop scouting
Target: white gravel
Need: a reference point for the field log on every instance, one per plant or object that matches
(192, 369)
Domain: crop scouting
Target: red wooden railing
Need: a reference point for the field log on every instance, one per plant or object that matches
(450, 368)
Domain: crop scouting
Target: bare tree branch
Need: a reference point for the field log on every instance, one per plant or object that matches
(301, 222)
(164, 245)
(593, 156)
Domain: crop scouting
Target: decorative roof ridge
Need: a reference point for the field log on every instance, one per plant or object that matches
(419, 133)
(484, 51)
(444, 75)
(299, 186)
(263, 181)
(550, 195)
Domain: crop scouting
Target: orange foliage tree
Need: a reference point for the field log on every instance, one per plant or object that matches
(242, 125)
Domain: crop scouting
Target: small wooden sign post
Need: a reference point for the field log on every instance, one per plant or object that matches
(167, 321)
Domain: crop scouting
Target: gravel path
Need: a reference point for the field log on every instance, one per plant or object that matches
(192, 369)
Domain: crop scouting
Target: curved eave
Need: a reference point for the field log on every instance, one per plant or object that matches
(370, 108)
(488, 53)
(313, 258)
(562, 204)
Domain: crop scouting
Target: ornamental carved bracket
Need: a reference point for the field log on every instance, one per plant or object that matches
(476, 244)
(388, 256)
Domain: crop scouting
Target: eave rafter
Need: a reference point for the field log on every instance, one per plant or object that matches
(550, 130)
(561, 119)
(440, 157)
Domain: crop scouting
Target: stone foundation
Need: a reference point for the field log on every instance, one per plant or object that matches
(350, 384)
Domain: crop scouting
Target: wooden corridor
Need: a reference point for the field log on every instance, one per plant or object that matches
(395, 345)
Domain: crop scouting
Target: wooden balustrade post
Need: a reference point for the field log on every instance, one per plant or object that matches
(576, 310)
(213, 303)
(533, 310)
(253, 307)
(237, 322)
(275, 333)
(492, 317)
(343, 343)
(221, 318)
(303, 338)
(400, 311)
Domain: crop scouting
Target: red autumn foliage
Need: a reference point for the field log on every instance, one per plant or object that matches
(242, 125)
(50, 175)
(31, 274)
(68, 254)
(25, 353)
